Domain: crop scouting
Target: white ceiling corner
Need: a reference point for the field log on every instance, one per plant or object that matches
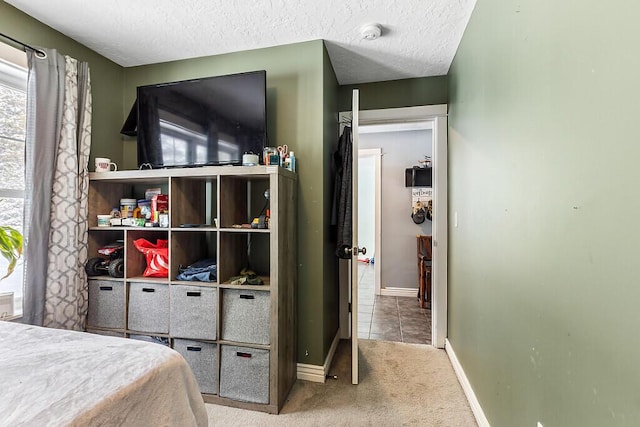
(419, 38)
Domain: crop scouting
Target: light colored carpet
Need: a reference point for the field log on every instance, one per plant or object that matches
(400, 385)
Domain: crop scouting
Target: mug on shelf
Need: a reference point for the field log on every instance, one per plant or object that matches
(104, 164)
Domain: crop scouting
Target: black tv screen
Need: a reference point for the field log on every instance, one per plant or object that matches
(200, 122)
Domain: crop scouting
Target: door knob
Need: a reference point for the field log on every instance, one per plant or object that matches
(349, 251)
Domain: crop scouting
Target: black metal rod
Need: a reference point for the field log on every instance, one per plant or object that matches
(38, 52)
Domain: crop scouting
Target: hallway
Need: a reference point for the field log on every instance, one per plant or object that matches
(389, 318)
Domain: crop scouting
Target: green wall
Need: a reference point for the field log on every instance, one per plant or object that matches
(396, 93)
(106, 78)
(330, 137)
(295, 116)
(543, 146)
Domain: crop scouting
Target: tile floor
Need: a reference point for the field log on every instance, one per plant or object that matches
(387, 318)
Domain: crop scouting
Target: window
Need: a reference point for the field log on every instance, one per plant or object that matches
(13, 103)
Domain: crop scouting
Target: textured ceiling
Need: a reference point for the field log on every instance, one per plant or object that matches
(419, 37)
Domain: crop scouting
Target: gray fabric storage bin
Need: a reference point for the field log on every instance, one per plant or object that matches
(156, 340)
(202, 357)
(244, 374)
(193, 312)
(245, 316)
(106, 304)
(149, 307)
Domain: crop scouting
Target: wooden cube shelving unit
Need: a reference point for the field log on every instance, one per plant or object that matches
(231, 195)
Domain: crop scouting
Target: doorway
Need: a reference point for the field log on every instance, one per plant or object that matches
(417, 116)
(388, 308)
(370, 212)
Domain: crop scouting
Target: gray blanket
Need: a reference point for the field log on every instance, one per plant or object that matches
(51, 377)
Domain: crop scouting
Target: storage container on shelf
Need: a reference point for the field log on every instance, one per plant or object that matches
(127, 207)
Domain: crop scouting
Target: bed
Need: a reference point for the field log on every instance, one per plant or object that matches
(51, 377)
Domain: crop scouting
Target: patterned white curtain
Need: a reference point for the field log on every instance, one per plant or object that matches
(66, 292)
(58, 145)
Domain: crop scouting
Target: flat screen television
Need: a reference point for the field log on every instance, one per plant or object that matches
(209, 121)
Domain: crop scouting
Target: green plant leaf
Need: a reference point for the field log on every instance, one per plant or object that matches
(10, 247)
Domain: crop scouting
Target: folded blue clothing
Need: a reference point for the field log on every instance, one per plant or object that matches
(205, 270)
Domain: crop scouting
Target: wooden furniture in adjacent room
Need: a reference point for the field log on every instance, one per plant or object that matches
(424, 251)
(239, 339)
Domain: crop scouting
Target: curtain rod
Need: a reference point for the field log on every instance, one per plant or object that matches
(38, 52)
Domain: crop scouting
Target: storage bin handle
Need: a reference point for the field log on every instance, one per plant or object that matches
(190, 348)
(242, 354)
(243, 296)
(148, 290)
(193, 294)
(106, 288)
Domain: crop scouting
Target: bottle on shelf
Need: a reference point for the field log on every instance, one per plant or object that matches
(292, 162)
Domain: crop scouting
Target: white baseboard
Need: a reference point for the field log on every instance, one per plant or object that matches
(313, 373)
(481, 419)
(399, 292)
(316, 373)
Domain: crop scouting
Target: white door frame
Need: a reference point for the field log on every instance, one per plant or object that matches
(376, 153)
(440, 232)
(437, 114)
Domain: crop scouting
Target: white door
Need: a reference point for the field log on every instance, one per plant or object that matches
(354, 242)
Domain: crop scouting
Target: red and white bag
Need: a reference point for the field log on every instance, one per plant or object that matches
(157, 256)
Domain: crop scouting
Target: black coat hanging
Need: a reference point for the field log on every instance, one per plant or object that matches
(342, 194)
